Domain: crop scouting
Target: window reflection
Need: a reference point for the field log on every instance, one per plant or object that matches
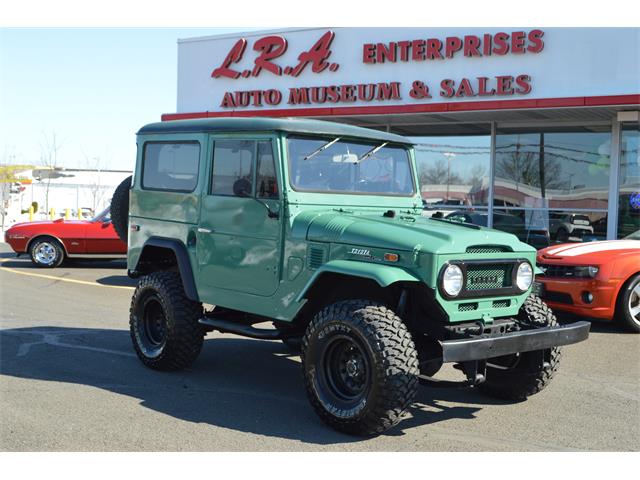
(629, 193)
(454, 171)
(563, 170)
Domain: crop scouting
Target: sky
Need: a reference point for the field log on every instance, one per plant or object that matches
(92, 88)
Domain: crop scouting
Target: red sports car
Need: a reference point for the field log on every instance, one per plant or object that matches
(597, 279)
(50, 242)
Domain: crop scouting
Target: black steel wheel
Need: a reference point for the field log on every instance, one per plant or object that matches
(360, 367)
(518, 376)
(46, 252)
(164, 324)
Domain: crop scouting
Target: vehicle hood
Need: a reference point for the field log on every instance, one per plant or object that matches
(403, 232)
(589, 253)
(45, 223)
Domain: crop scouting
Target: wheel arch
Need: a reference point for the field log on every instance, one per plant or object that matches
(44, 235)
(167, 254)
(622, 286)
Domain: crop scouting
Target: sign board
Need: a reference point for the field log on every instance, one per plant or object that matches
(302, 69)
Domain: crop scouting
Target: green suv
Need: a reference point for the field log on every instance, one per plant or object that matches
(315, 229)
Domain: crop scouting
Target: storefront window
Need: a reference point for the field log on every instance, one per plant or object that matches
(629, 193)
(552, 169)
(454, 174)
(541, 228)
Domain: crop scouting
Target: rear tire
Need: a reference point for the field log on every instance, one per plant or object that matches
(628, 306)
(518, 376)
(46, 252)
(360, 367)
(164, 324)
(120, 209)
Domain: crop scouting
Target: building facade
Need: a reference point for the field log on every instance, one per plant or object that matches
(534, 131)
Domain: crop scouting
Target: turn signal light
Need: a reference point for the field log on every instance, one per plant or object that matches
(391, 257)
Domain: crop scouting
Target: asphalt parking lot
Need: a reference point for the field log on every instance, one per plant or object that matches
(69, 380)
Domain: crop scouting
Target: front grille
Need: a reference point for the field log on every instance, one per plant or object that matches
(557, 297)
(501, 303)
(557, 270)
(488, 277)
(467, 307)
(487, 249)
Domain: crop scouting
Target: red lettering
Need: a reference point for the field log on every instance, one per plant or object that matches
(388, 91)
(504, 85)
(482, 87)
(453, 44)
(471, 45)
(227, 101)
(298, 95)
(434, 46)
(404, 50)
(362, 92)
(317, 55)
(524, 84)
(368, 53)
(535, 39)
(502, 47)
(418, 50)
(272, 97)
(332, 94)
(517, 42)
(465, 89)
(384, 53)
(347, 93)
(234, 56)
(487, 44)
(271, 47)
(446, 88)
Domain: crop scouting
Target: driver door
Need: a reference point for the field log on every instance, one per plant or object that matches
(238, 243)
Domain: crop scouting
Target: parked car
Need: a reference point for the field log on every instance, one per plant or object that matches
(598, 280)
(537, 238)
(50, 242)
(571, 227)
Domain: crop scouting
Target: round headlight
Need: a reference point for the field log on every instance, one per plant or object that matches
(452, 280)
(524, 277)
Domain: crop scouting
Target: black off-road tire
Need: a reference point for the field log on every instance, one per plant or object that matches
(294, 344)
(526, 377)
(389, 375)
(628, 293)
(164, 324)
(120, 209)
(39, 248)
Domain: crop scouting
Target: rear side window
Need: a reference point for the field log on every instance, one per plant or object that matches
(171, 166)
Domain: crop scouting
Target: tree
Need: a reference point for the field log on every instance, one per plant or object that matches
(49, 148)
(95, 185)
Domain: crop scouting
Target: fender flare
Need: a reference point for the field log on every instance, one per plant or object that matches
(182, 257)
(383, 275)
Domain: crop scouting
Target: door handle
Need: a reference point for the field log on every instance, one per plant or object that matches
(204, 230)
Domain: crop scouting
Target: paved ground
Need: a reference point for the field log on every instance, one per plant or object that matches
(69, 381)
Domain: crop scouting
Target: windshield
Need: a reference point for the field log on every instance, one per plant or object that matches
(103, 216)
(342, 166)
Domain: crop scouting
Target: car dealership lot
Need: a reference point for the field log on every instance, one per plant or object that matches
(69, 380)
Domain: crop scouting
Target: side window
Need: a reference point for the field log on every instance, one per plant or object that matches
(233, 167)
(266, 180)
(170, 166)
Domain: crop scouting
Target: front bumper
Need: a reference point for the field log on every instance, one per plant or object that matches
(567, 295)
(481, 348)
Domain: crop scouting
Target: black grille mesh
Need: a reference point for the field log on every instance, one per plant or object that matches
(487, 249)
(488, 277)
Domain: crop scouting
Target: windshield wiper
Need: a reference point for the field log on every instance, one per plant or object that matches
(371, 152)
(322, 148)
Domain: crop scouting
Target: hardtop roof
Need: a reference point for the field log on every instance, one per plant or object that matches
(266, 124)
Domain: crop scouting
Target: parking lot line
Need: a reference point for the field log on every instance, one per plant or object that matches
(62, 279)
